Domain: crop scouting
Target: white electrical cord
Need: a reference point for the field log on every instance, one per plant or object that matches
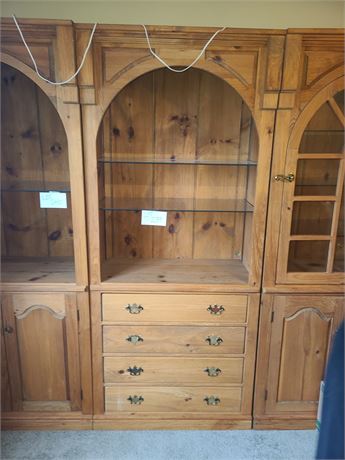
(88, 47)
(34, 62)
(190, 65)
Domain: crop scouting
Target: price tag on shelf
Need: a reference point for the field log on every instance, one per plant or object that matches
(53, 200)
(158, 218)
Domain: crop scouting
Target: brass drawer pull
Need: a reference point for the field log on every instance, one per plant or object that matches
(135, 399)
(135, 370)
(216, 309)
(134, 309)
(280, 177)
(213, 371)
(135, 339)
(214, 340)
(212, 400)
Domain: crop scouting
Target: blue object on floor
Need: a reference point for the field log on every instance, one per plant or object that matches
(331, 438)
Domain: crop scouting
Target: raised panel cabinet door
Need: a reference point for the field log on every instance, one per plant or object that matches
(302, 329)
(41, 342)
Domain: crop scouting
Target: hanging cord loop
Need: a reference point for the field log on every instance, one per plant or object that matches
(34, 62)
(190, 65)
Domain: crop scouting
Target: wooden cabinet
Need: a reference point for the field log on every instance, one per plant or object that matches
(171, 356)
(187, 218)
(46, 349)
(304, 251)
(193, 149)
(294, 342)
(43, 240)
(43, 340)
(305, 233)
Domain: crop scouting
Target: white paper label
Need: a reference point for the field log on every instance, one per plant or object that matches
(158, 218)
(53, 200)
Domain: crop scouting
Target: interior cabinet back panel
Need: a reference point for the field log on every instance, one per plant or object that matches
(34, 159)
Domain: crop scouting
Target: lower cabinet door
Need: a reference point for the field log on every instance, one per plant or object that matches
(40, 334)
(301, 330)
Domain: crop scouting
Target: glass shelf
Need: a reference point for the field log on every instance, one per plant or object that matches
(175, 204)
(147, 159)
(31, 186)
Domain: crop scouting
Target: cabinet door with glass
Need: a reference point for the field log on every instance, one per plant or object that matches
(311, 242)
(43, 237)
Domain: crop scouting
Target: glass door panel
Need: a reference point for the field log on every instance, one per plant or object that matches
(308, 256)
(312, 236)
(324, 133)
(312, 218)
(316, 177)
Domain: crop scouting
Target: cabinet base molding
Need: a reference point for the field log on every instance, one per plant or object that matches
(49, 422)
(171, 424)
(284, 423)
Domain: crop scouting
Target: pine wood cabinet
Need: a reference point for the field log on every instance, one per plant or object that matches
(305, 233)
(46, 367)
(295, 338)
(194, 146)
(240, 162)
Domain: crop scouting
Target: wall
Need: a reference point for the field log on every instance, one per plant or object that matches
(256, 14)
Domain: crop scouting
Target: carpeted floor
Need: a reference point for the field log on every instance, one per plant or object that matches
(159, 445)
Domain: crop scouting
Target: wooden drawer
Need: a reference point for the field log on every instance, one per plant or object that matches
(173, 339)
(173, 370)
(172, 399)
(174, 308)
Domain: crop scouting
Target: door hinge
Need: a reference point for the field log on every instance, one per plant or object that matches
(81, 394)
(272, 316)
(266, 394)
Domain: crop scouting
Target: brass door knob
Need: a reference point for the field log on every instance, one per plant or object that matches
(214, 340)
(135, 399)
(212, 400)
(135, 370)
(281, 177)
(216, 309)
(134, 309)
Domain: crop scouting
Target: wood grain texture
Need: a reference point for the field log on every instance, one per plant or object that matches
(172, 399)
(293, 350)
(171, 370)
(172, 339)
(35, 156)
(179, 308)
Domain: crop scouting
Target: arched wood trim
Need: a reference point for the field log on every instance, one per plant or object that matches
(23, 314)
(48, 89)
(311, 108)
(311, 310)
(109, 92)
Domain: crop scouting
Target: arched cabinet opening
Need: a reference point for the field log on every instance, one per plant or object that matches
(37, 232)
(317, 225)
(177, 157)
